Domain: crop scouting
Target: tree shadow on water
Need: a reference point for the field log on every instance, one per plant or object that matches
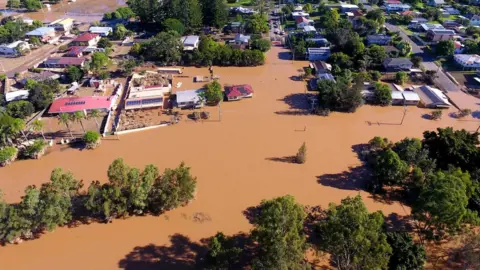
(298, 104)
(353, 179)
(181, 254)
(287, 159)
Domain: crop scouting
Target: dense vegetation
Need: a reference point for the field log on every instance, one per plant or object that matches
(15, 29)
(128, 191)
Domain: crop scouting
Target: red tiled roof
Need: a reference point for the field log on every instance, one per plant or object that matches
(238, 90)
(393, 2)
(75, 104)
(85, 37)
(301, 19)
(357, 13)
(407, 12)
(76, 50)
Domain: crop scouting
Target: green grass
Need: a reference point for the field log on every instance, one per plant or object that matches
(406, 30)
(241, 3)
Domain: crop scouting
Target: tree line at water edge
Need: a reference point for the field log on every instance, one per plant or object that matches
(62, 201)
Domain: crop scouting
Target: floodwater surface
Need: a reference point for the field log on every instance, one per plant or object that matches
(239, 161)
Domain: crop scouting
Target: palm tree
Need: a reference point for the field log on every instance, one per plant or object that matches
(64, 118)
(18, 125)
(37, 126)
(77, 117)
(94, 114)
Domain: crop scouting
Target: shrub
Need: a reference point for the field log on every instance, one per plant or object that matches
(301, 156)
(437, 114)
(464, 112)
(35, 150)
(91, 139)
(20, 109)
(375, 75)
(7, 155)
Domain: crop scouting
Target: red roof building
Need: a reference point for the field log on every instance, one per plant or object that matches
(236, 92)
(75, 104)
(393, 2)
(301, 19)
(75, 51)
(64, 62)
(86, 39)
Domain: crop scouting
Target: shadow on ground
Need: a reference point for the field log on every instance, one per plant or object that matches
(298, 104)
(181, 254)
(395, 222)
(287, 159)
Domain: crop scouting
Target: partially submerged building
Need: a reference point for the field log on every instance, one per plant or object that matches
(102, 31)
(432, 97)
(148, 91)
(237, 92)
(84, 104)
(190, 99)
(190, 42)
(318, 54)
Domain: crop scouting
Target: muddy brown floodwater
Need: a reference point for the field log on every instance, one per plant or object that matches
(237, 162)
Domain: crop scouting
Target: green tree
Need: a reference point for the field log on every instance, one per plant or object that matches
(125, 13)
(330, 20)
(74, 73)
(377, 15)
(278, 230)
(406, 255)
(173, 25)
(20, 109)
(308, 8)
(389, 169)
(416, 60)
(222, 252)
(401, 77)
(445, 48)
(215, 12)
(409, 149)
(383, 94)
(441, 207)
(91, 139)
(147, 11)
(120, 32)
(257, 24)
(32, 5)
(94, 114)
(42, 93)
(174, 188)
(99, 60)
(13, 4)
(457, 148)
(213, 93)
(376, 54)
(78, 117)
(64, 118)
(37, 126)
(104, 43)
(261, 44)
(55, 207)
(339, 96)
(164, 47)
(353, 237)
(301, 155)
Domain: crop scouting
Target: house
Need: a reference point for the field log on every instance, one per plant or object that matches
(318, 54)
(102, 31)
(42, 33)
(14, 48)
(396, 64)
(432, 97)
(298, 14)
(189, 99)
(436, 3)
(309, 29)
(236, 92)
(467, 60)
(440, 34)
(64, 62)
(391, 51)
(411, 98)
(319, 41)
(62, 25)
(348, 7)
(236, 27)
(148, 91)
(417, 22)
(38, 77)
(379, 39)
(430, 26)
(242, 39)
(320, 67)
(396, 7)
(450, 24)
(82, 104)
(302, 22)
(452, 11)
(397, 98)
(326, 77)
(475, 20)
(86, 39)
(75, 51)
(190, 42)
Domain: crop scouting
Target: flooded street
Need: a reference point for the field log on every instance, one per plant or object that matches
(238, 163)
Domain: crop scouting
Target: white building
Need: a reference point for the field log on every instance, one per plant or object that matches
(468, 60)
(397, 98)
(411, 98)
(102, 31)
(63, 25)
(12, 48)
(190, 42)
(318, 54)
(432, 97)
(189, 99)
(309, 29)
(298, 14)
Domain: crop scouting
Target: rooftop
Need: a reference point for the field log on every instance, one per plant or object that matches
(238, 90)
(397, 61)
(75, 104)
(468, 58)
(85, 37)
(13, 44)
(188, 95)
(41, 31)
(98, 29)
(65, 21)
(431, 96)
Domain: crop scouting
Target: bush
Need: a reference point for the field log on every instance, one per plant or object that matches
(213, 93)
(91, 139)
(383, 94)
(7, 155)
(20, 109)
(36, 150)
(401, 77)
(301, 156)
(375, 75)
(262, 45)
(437, 114)
(463, 113)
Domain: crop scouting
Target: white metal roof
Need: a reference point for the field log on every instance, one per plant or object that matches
(397, 95)
(188, 95)
(411, 96)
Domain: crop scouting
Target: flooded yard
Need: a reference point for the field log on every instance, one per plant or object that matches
(239, 161)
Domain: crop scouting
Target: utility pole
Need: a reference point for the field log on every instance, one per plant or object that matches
(404, 113)
(220, 111)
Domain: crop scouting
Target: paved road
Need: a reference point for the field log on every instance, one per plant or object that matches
(442, 81)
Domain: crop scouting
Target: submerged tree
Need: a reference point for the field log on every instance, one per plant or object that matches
(301, 156)
(406, 255)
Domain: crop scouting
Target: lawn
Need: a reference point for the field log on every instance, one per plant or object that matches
(240, 3)
(406, 30)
